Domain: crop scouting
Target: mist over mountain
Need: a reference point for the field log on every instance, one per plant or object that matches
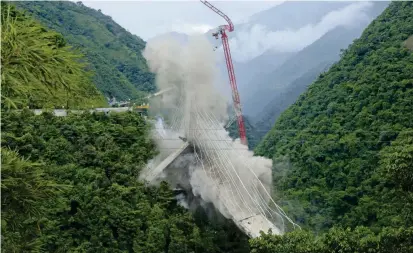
(113, 53)
(271, 37)
(278, 52)
(267, 94)
(276, 17)
(338, 161)
(314, 59)
(291, 26)
(349, 133)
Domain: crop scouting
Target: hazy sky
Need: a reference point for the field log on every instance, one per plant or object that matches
(249, 43)
(150, 18)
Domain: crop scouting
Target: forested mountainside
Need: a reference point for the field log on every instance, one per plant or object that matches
(70, 184)
(60, 79)
(263, 90)
(114, 54)
(298, 72)
(283, 99)
(265, 41)
(289, 15)
(319, 55)
(291, 79)
(343, 152)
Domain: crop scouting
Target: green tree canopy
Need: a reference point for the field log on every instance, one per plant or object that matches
(102, 206)
(114, 54)
(348, 137)
(337, 240)
(38, 68)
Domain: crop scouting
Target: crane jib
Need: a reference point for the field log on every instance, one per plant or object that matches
(230, 26)
(230, 68)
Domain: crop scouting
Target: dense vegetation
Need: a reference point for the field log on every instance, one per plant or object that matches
(337, 240)
(252, 139)
(282, 86)
(300, 69)
(114, 54)
(70, 184)
(343, 152)
(39, 69)
(282, 100)
(343, 156)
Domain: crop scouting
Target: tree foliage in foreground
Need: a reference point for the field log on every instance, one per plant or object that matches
(38, 68)
(24, 188)
(70, 184)
(343, 152)
(337, 240)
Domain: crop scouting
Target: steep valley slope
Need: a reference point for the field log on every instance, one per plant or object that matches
(260, 94)
(273, 80)
(343, 150)
(114, 54)
(70, 184)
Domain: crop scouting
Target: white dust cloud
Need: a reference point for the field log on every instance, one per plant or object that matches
(220, 170)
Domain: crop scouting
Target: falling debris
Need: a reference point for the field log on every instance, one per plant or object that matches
(209, 163)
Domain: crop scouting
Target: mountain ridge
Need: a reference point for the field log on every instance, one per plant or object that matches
(114, 54)
(325, 49)
(291, 83)
(345, 143)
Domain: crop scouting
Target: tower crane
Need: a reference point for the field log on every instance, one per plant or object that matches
(221, 30)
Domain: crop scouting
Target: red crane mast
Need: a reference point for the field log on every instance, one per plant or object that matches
(231, 73)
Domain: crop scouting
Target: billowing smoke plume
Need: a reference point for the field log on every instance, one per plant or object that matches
(188, 70)
(219, 170)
